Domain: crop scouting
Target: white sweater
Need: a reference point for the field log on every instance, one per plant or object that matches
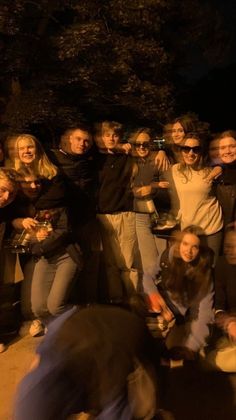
(195, 202)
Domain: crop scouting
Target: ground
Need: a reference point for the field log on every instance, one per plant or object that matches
(14, 363)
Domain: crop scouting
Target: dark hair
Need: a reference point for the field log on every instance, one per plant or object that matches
(190, 281)
(191, 123)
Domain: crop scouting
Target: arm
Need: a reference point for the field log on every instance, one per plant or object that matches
(214, 174)
(200, 317)
(57, 239)
(162, 161)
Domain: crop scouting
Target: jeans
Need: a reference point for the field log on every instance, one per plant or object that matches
(51, 284)
(150, 249)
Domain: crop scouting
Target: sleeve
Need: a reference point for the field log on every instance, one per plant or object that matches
(59, 238)
(199, 318)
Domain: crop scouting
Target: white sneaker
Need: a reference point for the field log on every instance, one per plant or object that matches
(36, 328)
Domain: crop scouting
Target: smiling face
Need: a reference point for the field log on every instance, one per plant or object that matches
(191, 152)
(26, 150)
(80, 142)
(177, 133)
(227, 149)
(142, 144)
(189, 247)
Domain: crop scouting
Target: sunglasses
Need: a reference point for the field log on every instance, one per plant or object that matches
(188, 149)
(145, 145)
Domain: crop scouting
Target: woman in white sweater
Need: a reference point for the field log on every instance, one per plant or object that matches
(193, 199)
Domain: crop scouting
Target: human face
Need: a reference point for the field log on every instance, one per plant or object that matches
(191, 152)
(177, 133)
(230, 247)
(27, 151)
(80, 142)
(227, 149)
(7, 192)
(30, 187)
(110, 139)
(189, 247)
(142, 145)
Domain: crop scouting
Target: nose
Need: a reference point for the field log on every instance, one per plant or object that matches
(33, 185)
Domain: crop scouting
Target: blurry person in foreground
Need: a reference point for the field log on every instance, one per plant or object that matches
(100, 359)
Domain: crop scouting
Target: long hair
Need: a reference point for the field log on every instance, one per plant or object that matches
(190, 281)
(184, 169)
(42, 166)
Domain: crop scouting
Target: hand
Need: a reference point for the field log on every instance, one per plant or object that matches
(162, 161)
(125, 148)
(42, 234)
(215, 173)
(142, 191)
(163, 184)
(157, 304)
(28, 223)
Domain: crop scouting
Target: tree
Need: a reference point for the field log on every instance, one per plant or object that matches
(70, 60)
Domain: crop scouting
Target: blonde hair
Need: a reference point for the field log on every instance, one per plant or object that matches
(42, 166)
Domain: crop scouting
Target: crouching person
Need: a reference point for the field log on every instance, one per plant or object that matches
(101, 360)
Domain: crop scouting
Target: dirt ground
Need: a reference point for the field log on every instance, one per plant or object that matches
(14, 363)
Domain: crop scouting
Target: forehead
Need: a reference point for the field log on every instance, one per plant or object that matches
(191, 142)
(25, 143)
(80, 134)
(177, 125)
(227, 141)
(7, 185)
(109, 131)
(143, 137)
(190, 238)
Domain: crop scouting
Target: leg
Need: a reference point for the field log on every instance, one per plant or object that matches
(64, 277)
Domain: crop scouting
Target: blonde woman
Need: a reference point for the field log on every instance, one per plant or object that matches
(29, 152)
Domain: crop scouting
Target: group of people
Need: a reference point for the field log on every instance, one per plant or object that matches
(107, 215)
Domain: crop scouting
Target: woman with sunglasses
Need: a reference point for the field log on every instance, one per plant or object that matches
(146, 183)
(193, 199)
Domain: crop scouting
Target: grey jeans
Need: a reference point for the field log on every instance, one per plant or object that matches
(51, 284)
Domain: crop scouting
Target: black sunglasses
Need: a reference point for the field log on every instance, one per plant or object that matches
(144, 145)
(187, 149)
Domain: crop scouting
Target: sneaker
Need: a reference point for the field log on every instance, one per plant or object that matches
(36, 328)
(2, 347)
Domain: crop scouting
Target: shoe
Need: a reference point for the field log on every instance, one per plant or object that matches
(2, 347)
(36, 328)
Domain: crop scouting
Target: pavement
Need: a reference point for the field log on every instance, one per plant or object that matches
(189, 392)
